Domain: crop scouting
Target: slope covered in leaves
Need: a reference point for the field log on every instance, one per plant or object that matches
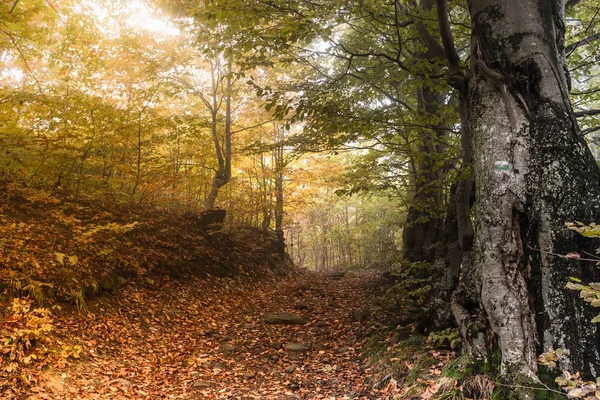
(59, 249)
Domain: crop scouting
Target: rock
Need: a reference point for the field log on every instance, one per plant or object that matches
(285, 319)
(107, 284)
(247, 312)
(360, 315)
(296, 347)
(249, 375)
(226, 339)
(201, 385)
(275, 357)
(289, 397)
(302, 306)
(333, 381)
(290, 368)
(227, 347)
(336, 274)
(217, 365)
(210, 332)
(302, 288)
(277, 345)
(96, 382)
(123, 382)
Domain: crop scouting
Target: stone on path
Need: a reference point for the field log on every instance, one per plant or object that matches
(226, 339)
(297, 347)
(123, 382)
(201, 385)
(277, 345)
(290, 368)
(285, 319)
(302, 306)
(227, 347)
(360, 315)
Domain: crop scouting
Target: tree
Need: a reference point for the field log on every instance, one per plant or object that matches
(533, 172)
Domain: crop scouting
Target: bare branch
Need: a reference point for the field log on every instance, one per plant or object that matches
(13, 6)
(584, 113)
(252, 127)
(570, 48)
(587, 131)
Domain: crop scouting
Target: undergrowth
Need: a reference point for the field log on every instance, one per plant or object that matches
(407, 365)
(25, 340)
(56, 250)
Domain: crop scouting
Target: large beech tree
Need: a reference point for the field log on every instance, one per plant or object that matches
(533, 172)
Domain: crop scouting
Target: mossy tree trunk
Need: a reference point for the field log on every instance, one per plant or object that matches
(533, 172)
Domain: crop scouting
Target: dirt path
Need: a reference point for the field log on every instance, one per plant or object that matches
(207, 339)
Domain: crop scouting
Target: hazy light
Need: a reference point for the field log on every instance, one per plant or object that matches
(134, 14)
(142, 17)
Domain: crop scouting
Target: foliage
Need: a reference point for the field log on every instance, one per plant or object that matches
(410, 289)
(406, 365)
(26, 328)
(572, 383)
(25, 338)
(447, 338)
(590, 293)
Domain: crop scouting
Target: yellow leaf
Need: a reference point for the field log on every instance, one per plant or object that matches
(60, 257)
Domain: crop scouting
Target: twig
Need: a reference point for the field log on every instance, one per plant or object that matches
(564, 255)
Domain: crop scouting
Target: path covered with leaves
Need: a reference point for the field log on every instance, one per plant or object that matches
(208, 339)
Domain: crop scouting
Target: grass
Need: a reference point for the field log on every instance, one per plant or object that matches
(421, 369)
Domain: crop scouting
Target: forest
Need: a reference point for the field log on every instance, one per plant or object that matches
(299, 199)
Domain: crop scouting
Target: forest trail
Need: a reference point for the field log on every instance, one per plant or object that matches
(208, 339)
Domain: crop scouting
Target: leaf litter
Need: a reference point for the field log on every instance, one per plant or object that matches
(206, 338)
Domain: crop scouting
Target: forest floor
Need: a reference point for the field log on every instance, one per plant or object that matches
(206, 338)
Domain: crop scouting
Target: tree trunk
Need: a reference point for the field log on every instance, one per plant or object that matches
(223, 172)
(423, 222)
(533, 172)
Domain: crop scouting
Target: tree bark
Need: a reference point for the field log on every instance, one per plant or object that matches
(533, 172)
(223, 172)
(423, 222)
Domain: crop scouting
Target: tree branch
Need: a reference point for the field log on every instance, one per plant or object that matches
(570, 48)
(583, 113)
(252, 127)
(456, 78)
(13, 6)
(587, 131)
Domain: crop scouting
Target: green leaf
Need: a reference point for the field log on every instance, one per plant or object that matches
(575, 286)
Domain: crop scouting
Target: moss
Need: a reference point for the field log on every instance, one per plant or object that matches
(526, 392)
(107, 283)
